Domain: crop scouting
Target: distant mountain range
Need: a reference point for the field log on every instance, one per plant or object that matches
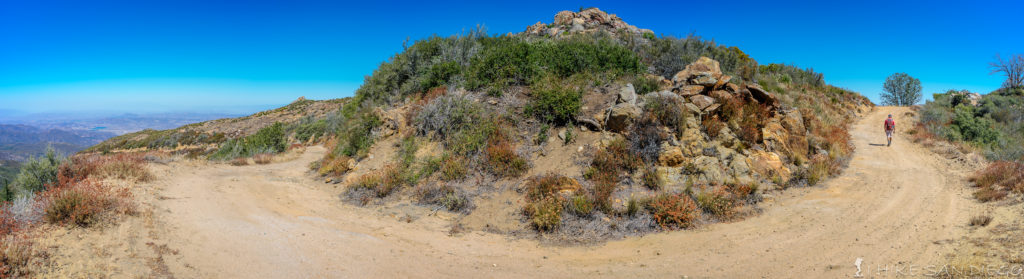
(25, 135)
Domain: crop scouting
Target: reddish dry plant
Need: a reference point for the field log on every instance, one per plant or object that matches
(674, 211)
(502, 159)
(81, 203)
(333, 165)
(128, 166)
(712, 125)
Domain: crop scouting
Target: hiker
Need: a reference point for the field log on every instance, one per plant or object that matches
(890, 126)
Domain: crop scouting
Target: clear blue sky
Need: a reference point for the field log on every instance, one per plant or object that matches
(139, 56)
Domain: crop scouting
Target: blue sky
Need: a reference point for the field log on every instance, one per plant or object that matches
(141, 56)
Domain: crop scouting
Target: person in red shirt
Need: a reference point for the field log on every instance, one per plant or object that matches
(890, 126)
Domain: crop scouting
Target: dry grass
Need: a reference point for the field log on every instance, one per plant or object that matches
(16, 251)
(126, 166)
(718, 201)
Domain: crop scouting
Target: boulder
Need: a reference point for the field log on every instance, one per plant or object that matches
(564, 17)
(691, 142)
(761, 95)
(768, 164)
(671, 156)
(793, 122)
(690, 90)
(705, 71)
(663, 83)
(732, 88)
(701, 101)
(536, 28)
(722, 81)
(721, 95)
(776, 138)
(709, 170)
(692, 108)
(712, 108)
(627, 95)
(621, 116)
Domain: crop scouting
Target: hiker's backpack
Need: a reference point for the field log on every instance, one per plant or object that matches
(889, 124)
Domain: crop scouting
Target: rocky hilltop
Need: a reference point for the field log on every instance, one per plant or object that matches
(583, 129)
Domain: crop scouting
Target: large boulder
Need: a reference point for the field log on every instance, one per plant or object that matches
(702, 101)
(621, 116)
(775, 137)
(671, 156)
(690, 90)
(564, 17)
(705, 71)
(769, 164)
(793, 122)
(627, 95)
(762, 96)
(710, 170)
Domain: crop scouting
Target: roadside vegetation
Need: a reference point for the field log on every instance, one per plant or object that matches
(63, 191)
(991, 124)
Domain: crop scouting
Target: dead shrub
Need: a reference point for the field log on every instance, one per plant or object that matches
(129, 166)
(443, 195)
(646, 137)
(712, 125)
(262, 158)
(81, 203)
(605, 168)
(240, 161)
(333, 165)
(673, 211)
(1006, 174)
(980, 221)
(382, 182)
(545, 214)
(987, 194)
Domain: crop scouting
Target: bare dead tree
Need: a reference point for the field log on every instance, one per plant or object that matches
(1012, 68)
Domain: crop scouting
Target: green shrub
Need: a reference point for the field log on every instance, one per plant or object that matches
(644, 85)
(651, 180)
(580, 205)
(546, 214)
(269, 140)
(311, 130)
(974, 129)
(38, 173)
(514, 61)
(554, 103)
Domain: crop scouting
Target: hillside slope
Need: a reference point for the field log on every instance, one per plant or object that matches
(275, 221)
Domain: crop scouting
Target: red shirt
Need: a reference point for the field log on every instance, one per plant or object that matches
(890, 124)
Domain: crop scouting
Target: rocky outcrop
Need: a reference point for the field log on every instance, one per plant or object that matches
(585, 21)
(621, 116)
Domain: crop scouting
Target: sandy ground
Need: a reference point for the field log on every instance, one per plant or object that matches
(893, 206)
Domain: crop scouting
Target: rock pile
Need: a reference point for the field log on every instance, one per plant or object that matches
(691, 153)
(589, 20)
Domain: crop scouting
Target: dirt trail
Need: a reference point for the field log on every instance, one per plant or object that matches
(891, 206)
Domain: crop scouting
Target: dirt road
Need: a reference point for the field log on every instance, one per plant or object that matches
(892, 206)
